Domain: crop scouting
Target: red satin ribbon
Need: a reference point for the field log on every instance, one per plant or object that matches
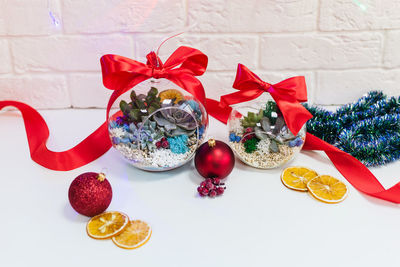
(37, 134)
(119, 74)
(287, 95)
(354, 171)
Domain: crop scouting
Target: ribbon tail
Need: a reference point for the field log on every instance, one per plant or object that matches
(217, 111)
(294, 113)
(37, 134)
(297, 83)
(286, 96)
(354, 171)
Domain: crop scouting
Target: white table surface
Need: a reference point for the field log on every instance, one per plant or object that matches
(257, 222)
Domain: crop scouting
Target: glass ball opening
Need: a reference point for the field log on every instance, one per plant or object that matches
(162, 134)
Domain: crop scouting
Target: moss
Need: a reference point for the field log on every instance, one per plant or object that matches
(250, 145)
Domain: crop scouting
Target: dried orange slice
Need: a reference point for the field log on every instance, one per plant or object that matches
(171, 94)
(327, 189)
(135, 235)
(296, 178)
(107, 224)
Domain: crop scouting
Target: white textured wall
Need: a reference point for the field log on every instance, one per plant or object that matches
(343, 47)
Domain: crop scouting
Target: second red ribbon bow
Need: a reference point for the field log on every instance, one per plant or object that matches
(287, 94)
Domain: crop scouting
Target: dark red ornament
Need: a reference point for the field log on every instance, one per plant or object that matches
(90, 193)
(214, 159)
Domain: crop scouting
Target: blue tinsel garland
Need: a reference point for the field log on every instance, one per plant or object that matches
(368, 129)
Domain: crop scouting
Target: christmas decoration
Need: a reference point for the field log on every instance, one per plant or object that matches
(107, 224)
(116, 226)
(211, 187)
(90, 193)
(327, 189)
(324, 188)
(161, 129)
(135, 235)
(368, 129)
(296, 178)
(266, 136)
(214, 159)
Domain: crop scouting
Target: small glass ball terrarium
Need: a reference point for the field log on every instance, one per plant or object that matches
(158, 131)
(261, 138)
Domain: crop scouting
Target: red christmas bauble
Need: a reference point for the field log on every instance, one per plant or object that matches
(214, 159)
(90, 193)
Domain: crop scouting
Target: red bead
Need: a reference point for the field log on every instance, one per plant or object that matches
(220, 190)
(214, 161)
(249, 130)
(216, 181)
(89, 195)
(165, 144)
(212, 193)
(204, 191)
(210, 186)
(158, 144)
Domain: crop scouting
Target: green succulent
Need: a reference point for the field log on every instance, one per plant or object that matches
(140, 105)
(148, 134)
(252, 119)
(278, 133)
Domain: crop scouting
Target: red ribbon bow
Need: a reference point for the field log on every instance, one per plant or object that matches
(121, 73)
(287, 95)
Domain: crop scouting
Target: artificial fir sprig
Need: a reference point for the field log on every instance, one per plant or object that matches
(374, 141)
(368, 129)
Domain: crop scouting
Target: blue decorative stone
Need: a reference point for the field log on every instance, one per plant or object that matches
(125, 140)
(195, 107)
(178, 144)
(232, 137)
(116, 140)
(292, 143)
(126, 127)
(299, 141)
(238, 139)
(201, 131)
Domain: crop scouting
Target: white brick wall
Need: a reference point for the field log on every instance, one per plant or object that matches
(343, 47)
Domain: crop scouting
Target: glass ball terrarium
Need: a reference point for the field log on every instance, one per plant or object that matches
(260, 137)
(160, 129)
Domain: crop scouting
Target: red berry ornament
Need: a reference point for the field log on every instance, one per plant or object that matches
(90, 193)
(214, 159)
(211, 187)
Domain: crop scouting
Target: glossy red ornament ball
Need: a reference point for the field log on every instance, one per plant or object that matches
(90, 193)
(214, 159)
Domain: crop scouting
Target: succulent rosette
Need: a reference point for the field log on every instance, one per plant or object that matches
(176, 120)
